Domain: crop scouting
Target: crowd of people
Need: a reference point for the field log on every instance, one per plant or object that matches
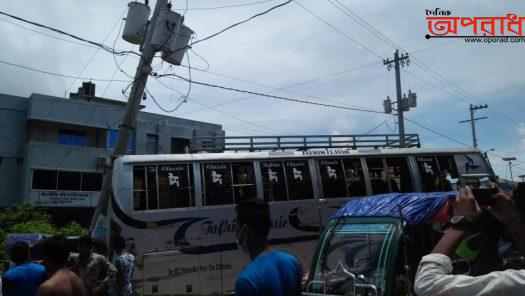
(63, 272)
(271, 272)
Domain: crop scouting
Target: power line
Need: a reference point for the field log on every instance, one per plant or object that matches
(102, 46)
(48, 35)
(241, 22)
(96, 51)
(436, 132)
(222, 112)
(225, 6)
(275, 89)
(58, 74)
(284, 89)
(272, 96)
(498, 115)
(339, 31)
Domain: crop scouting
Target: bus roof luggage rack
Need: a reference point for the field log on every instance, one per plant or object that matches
(275, 143)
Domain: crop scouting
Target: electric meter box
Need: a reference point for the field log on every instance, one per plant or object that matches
(176, 53)
(166, 30)
(135, 27)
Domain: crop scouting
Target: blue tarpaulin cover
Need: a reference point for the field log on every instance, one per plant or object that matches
(415, 207)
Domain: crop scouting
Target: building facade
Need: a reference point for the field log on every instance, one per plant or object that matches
(53, 150)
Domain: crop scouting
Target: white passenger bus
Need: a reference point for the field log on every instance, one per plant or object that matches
(177, 211)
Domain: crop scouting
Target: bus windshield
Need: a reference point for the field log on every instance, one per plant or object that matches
(356, 254)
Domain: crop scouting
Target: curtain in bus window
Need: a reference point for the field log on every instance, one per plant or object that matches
(449, 172)
(298, 179)
(243, 181)
(217, 184)
(139, 188)
(378, 176)
(355, 179)
(274, 185)
(332, 178)
(175, 186)
(429, 173)
(399, 174)
(152, 187)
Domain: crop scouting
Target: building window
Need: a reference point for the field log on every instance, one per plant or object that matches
(91, 182)
(71, 137)
(44, 179)
(64, 180)
(69, 181)
(19, 161)
(112, 140)
(152, 144)
(179, 145)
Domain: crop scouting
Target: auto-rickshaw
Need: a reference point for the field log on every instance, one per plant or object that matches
(373, 245)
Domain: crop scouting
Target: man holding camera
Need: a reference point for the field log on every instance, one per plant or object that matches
(434, 273)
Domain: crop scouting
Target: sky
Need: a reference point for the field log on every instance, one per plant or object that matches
(327, 57)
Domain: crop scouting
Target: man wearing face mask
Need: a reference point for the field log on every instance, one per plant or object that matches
(271, 272)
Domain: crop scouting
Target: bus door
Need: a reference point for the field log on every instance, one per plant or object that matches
(224, 184)
(341, 179)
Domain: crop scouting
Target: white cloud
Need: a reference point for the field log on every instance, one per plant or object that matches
(521, 129)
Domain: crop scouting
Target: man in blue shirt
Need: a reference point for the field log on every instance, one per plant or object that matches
(271, 272)
(25, 278)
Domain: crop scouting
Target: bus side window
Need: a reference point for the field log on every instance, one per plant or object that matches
(243, 181)
(429, 173)
(298, 179)
(449, 172)
(355, 178)
(176, 186)
(139, 188)
(378, 176)
(472, 163)
(217, 184)
(274, 182)
(152, 187)
(399, 174)
(332, 178)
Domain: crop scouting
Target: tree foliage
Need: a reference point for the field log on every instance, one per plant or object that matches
(26, 218)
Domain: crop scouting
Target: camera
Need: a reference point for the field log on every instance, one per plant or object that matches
(484, 195)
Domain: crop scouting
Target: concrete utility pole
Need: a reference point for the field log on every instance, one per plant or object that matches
(473, 120)
(510, 160)
(132, 107)
(399, 61)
